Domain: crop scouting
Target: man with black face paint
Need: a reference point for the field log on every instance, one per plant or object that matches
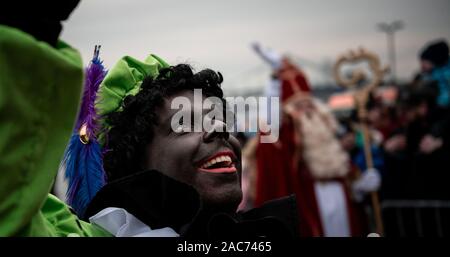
(218, 183)
(163, 181)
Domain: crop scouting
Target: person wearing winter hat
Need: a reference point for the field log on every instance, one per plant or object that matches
(434, 60)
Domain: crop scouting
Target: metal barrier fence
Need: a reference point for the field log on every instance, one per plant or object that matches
(416, 218)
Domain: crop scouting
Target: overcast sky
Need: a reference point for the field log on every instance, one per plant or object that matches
(217, 34)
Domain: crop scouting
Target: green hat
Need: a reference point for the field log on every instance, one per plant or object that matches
(125, 79)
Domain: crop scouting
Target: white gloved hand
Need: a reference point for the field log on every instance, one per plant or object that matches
(369, 181)
(256, 46)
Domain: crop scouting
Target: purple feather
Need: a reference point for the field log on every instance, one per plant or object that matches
(82, 162)
(95, 74)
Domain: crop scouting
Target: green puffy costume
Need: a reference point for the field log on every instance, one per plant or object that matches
(39, 93)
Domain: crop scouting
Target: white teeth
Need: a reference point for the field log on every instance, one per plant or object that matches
(223, 158)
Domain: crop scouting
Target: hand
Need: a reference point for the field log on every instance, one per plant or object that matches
(256, 46)
(430, 144)
(370, 181)
(395, 143)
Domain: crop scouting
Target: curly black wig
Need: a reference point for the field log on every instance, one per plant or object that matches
(132, 129)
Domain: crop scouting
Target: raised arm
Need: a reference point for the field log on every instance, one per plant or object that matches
(40, 89)
(270, 56)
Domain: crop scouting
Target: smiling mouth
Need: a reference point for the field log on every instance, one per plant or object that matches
(219, 163)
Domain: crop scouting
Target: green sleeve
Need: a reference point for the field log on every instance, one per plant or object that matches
(39, 94)
(56, 219)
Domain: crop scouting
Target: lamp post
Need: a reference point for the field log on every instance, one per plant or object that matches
(390, 29)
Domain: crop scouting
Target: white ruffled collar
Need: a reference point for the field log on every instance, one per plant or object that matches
(121, 223)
